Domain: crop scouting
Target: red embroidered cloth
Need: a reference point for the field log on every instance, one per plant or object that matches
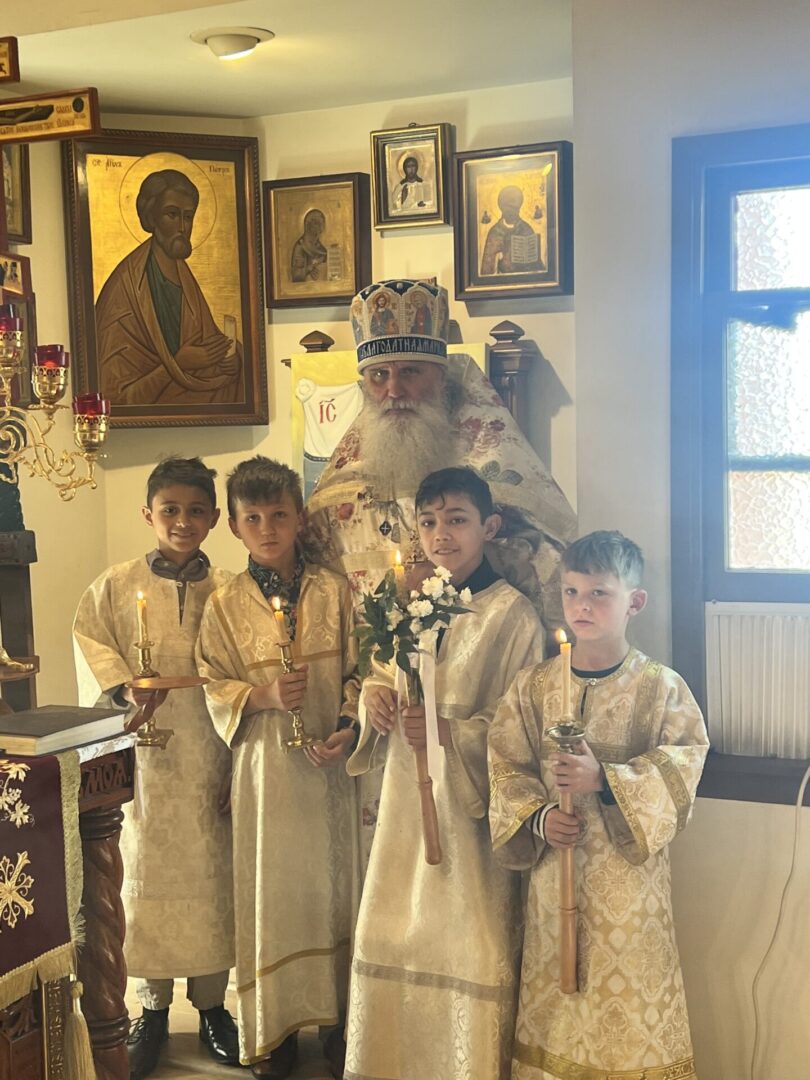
(38, 897)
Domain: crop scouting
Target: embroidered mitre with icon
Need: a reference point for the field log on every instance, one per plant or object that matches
(400, 320)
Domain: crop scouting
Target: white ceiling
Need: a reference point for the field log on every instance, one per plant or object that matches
(326, 52)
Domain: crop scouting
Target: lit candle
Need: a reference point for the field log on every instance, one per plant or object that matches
(565, 656)
(278, 615)
(143, 634)
(399, 574)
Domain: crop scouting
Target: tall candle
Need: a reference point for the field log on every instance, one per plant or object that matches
(565, 657)
(399, 575)
(140, 602)
(278, 615)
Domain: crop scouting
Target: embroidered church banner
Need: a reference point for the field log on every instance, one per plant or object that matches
(40, 870)
(326, 398)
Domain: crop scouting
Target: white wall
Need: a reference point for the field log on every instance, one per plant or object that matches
(105, 526)
(646, 71)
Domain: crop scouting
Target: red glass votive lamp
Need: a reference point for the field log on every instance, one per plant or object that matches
(52, 356)
(91, 405)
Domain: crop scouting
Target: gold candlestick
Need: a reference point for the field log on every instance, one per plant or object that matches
(149, 734)
(567, 735)
(300, 738)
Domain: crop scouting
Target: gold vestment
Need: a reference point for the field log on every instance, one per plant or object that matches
(434, 975)
(296, 875)
(628, 1020)
(175, 843)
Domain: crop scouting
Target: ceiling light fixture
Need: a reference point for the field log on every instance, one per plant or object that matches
(231, 42)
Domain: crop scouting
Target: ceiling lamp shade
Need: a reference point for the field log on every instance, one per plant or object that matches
(231, 42)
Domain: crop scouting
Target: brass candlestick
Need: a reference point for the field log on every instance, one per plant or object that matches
(300, 738)
(567, 735)
(149, 734)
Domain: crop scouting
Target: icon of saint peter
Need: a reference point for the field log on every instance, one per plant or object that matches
(157, 341)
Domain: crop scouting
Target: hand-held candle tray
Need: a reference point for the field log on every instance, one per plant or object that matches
(567, 736)
(149, 734)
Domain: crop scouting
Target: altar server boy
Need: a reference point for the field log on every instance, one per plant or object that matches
(634, 784)
(294, 812)
(434, 975)
(176, 841)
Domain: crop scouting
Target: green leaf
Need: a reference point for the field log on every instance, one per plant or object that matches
(403, 662)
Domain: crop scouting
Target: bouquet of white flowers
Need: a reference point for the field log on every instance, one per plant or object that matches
(399, 626)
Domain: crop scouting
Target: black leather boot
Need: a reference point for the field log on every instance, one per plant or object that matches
(145, 1040)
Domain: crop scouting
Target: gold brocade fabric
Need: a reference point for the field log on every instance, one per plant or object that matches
(295, 827)
(346, 517)
(628, 1020)
(175, 843)
(434, 976)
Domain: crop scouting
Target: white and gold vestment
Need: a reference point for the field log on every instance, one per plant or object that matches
(434, 974)
(628, 1020)
(295, 826)
(175, 842)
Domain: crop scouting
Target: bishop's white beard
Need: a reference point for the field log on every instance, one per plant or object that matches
(399, 448)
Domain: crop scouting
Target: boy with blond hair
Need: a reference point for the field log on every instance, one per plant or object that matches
(633, 782)
(294, 813)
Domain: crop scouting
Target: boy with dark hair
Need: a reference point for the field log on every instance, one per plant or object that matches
(295, 844)
(175, 842)
(634, 782)
(435, 969)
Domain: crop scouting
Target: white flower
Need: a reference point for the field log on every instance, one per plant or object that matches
(451, 590)
(465, 596)
(443, 573)
(394, 618)
(416, 626)
(420, 608)
(414, 594)
(432, 586)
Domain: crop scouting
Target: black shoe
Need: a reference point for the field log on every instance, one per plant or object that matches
(334, 1050)
(281, 1062)
(145, 1041)
(218, 1032)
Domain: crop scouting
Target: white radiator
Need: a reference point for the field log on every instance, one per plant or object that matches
(758, 678)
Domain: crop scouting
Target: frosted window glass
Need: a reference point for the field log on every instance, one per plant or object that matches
(769, 520)
(771, 231)
(768, 378)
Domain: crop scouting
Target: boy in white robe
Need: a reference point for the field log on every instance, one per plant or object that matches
(434, 975)
(634, 784)
(294, 818)
(176, 841)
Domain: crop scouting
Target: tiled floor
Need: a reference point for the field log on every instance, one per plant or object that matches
(185, 1058)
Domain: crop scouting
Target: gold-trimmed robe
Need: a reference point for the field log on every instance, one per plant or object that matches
(175, 842)
(434, 975)
(295, 861)
(628, 1020)
(352, 531)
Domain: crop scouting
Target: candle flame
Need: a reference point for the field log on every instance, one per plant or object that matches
(140, 595)
(276, 602)
(398, 558)
(561, 637)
